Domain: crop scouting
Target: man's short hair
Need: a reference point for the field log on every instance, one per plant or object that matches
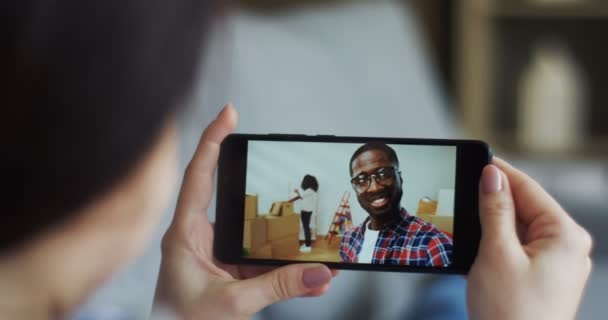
(376, 145)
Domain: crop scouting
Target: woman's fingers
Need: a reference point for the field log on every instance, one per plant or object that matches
(296, 280)
(497, 213)
(197, 187)
(531, 200)
(246, 272)
(540, 215)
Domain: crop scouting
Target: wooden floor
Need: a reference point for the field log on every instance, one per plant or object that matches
(322, 251)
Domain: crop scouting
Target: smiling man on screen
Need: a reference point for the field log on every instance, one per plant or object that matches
(389, 235)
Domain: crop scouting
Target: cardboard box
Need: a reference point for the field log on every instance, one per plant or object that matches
(287, 208)
(426, 207)
(251, 206)
(287, 247)
(254, 234)
(425, 216)
(443, 223)
(275, 209)
(264, 252)
(281, 208)
(281, 227)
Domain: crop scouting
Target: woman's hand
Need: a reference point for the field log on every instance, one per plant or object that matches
(533, 260)
(191, 283)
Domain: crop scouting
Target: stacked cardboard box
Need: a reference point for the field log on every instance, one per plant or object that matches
(427, 207)
(427, 211)
(281, 208)
(251, 206)
(443, 223)
(287, 208)
(281, 227)
(264, 252)
(273, 235)
(283, 235)
(285, 248)
(254, 234)
(254, 229)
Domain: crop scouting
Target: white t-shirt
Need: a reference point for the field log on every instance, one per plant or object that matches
(309, 197)
(369, 243)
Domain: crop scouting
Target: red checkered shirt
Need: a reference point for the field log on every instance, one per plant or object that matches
(408, 241)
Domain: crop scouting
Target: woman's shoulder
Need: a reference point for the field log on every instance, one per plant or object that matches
(309, 191)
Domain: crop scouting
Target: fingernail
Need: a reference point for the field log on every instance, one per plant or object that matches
(223, 110)
(491, 181)
(316, 277)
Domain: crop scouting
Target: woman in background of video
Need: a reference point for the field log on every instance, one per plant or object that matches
(309, 197)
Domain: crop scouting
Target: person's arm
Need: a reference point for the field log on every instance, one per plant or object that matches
(533, 260)
(298, 197)
(191, 283)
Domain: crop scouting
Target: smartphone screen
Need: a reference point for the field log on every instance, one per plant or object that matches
(355, 203)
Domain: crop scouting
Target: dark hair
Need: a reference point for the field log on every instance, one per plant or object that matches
(392, 156)
(86, 87)
(310, 182)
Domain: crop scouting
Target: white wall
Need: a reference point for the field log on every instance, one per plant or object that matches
(275, 168)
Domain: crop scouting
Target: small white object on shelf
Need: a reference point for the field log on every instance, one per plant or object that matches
(552, 100)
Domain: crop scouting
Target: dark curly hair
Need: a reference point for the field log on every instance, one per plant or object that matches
(310, 182)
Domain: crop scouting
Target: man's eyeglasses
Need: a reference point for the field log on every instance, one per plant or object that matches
(384, 176)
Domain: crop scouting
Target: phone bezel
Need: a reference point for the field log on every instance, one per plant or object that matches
(472, 156)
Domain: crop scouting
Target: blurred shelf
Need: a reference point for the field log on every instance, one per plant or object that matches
(574, 11)
(496, 41)
(594, 150)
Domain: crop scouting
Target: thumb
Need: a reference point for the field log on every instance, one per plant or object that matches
(496, 209)
(291, 281)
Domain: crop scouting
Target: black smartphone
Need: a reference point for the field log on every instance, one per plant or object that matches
(361, 203)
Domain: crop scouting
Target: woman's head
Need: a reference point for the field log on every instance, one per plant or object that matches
(88, 93)
(310, 182)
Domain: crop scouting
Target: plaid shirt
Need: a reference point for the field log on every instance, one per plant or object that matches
(408, 241)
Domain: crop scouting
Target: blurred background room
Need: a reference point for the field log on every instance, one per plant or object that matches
(525, 75)
(529, 76)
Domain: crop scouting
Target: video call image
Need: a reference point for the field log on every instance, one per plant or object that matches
(370, 203)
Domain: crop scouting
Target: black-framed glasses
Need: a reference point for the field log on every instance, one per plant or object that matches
(384, 176)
